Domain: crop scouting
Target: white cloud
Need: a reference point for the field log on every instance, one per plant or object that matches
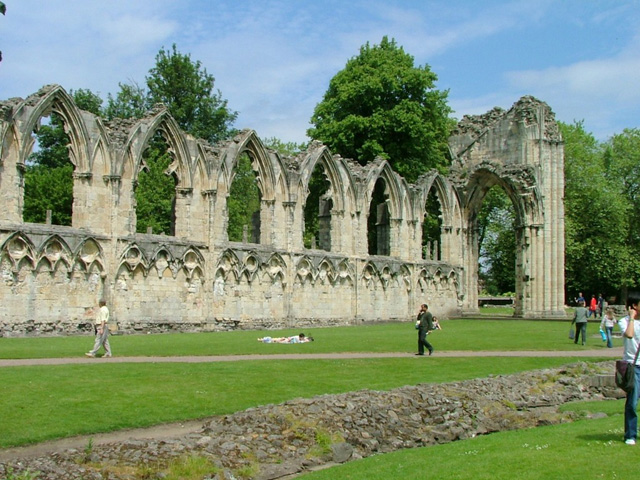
(273, 59)
(595, 91)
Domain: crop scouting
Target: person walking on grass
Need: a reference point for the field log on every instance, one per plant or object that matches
(424, 326)
(102, 331)
(630, 327)
(607, 324)
(580, 319)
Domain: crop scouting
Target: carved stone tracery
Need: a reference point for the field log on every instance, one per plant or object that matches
(201, 280)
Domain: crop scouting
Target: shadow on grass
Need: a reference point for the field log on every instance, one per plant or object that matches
(604, 437)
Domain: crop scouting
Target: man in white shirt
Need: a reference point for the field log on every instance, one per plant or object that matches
(630, 328)
(102, 331)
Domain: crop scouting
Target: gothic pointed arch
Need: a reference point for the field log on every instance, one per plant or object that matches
(141, 133)
(54, 98)
(19, 251)
(406, 276)
(56, 252)
(370, 276)
(163, 261)
(134, 259)
(228, 263)
(346, 274)
(88, 257)
(275, 269)
(326, 272)
(320, 154)
(193, 262)
(519, 185)
(305, 270)
(266, 166)
(9, 141)
(380, 169)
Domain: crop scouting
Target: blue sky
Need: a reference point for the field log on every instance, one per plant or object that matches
(273, 59)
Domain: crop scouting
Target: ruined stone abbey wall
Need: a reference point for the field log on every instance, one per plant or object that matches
(197, 280)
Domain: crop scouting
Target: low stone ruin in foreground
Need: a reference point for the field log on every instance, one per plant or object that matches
(276, 441)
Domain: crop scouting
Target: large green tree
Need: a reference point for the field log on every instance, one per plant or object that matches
(496, 243)
(381, 104)
(599, 257)
(187, 90)
(156, 191)
(130, 102)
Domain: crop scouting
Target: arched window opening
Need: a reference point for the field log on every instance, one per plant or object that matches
(156, 190)
(48, 175)
(317, 211)
(244, 204)
(432, 228)
(496, 244)
(378, 224)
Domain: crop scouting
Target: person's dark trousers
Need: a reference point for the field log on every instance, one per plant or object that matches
(581, 328)
(422, 342)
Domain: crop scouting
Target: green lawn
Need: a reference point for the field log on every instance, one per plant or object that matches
(468, 334)
(583, 450)
(47, 402)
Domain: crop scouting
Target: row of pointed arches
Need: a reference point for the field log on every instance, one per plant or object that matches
(315, 200)
(238, 213)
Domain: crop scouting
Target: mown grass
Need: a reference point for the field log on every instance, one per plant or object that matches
(583, 450)
(467, 334)
(48, 402)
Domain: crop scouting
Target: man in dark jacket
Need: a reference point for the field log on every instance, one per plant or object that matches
(424, 324)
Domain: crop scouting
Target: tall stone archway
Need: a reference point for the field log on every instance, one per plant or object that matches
(521, 151)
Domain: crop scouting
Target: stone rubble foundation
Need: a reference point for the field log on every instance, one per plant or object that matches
(277, 441)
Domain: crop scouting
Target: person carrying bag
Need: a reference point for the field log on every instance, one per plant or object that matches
(630, 382)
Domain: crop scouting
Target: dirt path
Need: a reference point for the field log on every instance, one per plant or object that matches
(173, 430)
(579, 352)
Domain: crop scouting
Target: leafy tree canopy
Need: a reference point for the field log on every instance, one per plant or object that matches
(87, 100)
(243, 202)
(497, 243)
(130, 102)
(187, 91)
(380, 104)
(284, 148)
(599, 256)
(156, 191)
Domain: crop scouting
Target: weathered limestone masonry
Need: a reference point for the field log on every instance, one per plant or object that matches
(52, 276)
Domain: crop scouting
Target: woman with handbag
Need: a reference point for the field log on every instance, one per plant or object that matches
(630, 328)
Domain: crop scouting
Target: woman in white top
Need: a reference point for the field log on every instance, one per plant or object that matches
(630, 328)
(607, 324)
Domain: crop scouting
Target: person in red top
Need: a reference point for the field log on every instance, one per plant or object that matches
(593, 306)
